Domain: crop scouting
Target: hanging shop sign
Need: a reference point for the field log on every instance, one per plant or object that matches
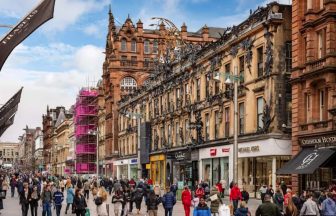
(180, 155)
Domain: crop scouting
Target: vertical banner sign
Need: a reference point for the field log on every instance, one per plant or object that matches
(41, 14)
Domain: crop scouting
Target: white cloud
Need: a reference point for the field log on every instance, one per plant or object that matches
(43, 87)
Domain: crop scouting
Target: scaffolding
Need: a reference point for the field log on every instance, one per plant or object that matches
(86, 122)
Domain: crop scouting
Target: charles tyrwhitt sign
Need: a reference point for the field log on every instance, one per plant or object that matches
(42, 13)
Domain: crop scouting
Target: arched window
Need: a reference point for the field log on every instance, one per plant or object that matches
(133, 45)
(155, 47)
(128, 84)
(123, 45)
(146, 47)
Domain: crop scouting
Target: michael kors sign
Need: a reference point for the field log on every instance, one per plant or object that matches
(248, 149)
(320, 140)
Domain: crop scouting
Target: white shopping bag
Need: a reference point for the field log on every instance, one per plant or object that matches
(224, 210)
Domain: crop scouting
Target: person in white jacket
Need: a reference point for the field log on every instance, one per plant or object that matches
(102, 208)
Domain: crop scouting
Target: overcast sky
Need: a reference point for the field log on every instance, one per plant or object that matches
(66, 53)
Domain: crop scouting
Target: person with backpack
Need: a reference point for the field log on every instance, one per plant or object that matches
(152, 204)
(79, 203)
(186, 200)
(168, 201)
(46, 199)
(58, 199)
(278, 199)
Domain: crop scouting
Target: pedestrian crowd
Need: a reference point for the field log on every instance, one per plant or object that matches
(47, 192)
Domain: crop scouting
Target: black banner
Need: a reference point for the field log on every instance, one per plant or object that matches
(41, 14)
(145, 142)
(7, 112)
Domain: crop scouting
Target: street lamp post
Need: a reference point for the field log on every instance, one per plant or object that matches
(235, 79)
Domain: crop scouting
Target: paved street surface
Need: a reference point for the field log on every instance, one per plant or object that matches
(12, 208)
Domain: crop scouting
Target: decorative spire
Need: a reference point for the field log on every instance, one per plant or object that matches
(111, 26)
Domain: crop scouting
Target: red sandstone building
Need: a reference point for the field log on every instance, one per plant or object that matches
(313, 94)
(130, 51)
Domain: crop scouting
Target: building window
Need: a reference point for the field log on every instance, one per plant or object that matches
(177, 96)
(146, 62)
(321, 104)
(123, 45)
(177, 134)
(260, 111)
(227, 121)
(155, 47)
(128, 84)
(207, 85)
(241, 118)
(161, 105)
(186, 93)
(133, 45)
(207, 127)
(216, 124)
(186, 131)
(162, 136)
(227, 70)
(134, 61)
(288, 56)
(260, 56)
(309, 4)
(217, 83)
(169, 135)
(241, 69)
(321, 43)
(307, 103)
(198, 89)
(146, 47)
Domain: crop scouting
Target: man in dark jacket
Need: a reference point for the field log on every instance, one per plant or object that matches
(58, 199)
(168, 201)
(267, 208)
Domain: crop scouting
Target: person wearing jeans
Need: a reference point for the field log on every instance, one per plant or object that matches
(70, 198)
(58, 199)
(46, 198)
(168, 201)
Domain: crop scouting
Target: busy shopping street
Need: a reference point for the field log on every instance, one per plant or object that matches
(168, 107)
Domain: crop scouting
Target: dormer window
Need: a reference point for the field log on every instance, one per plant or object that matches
(123, 45)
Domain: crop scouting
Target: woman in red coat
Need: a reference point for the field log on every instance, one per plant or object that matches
(186, 200)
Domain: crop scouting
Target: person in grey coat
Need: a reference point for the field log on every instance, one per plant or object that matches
(70, 198)
(310, 207)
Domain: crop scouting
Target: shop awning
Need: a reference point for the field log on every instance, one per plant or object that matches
(307, 161)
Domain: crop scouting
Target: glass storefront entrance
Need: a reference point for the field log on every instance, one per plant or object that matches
(215, 170)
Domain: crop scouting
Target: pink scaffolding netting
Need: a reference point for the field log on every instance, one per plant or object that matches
(86, 121)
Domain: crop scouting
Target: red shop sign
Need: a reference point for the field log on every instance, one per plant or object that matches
(213, 152)
(225, 149)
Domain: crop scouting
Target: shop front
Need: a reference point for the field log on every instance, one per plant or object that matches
(127, 168)
(215, 165)
(258, 162)
(184, 167)
(158, 169)
(315, 163)
(109, 169)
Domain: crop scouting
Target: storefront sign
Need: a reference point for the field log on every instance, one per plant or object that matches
(213, 152)
(134, 161)
(320, 140)
(248, 149)
(180, 155)
(225, 149)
